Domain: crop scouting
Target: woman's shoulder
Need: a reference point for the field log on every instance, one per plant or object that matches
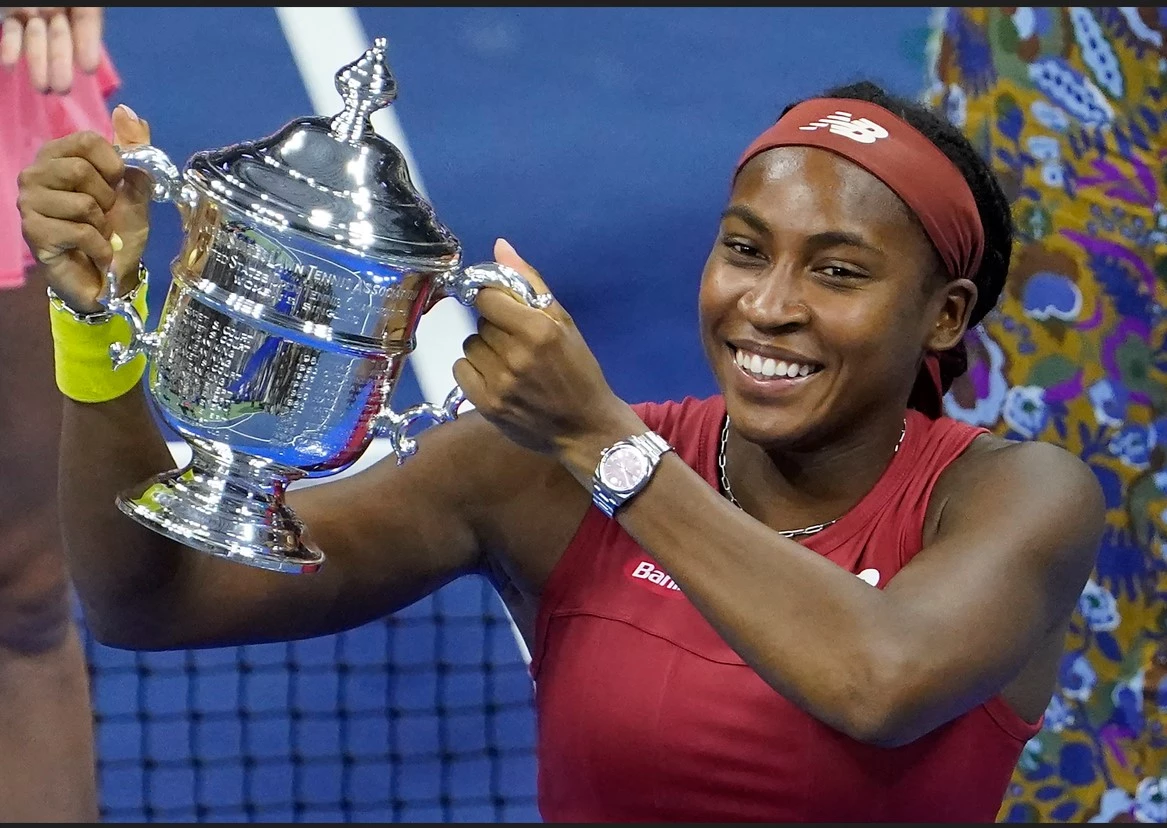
(988, 450)
(1040, 478)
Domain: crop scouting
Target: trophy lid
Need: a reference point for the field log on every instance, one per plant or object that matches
(335, 179)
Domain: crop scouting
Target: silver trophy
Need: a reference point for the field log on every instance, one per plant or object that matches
(307, 261)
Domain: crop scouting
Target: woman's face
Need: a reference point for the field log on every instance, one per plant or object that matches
(820, 296)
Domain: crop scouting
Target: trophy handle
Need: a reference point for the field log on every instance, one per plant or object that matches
(167, 186)
(463, 285)
(164, 175)
(141, 341)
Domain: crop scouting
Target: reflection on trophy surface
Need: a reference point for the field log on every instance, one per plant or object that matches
(307, 261)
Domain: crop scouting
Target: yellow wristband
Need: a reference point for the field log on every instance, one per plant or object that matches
(84, 367)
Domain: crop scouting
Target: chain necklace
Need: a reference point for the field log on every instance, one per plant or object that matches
(787, 533)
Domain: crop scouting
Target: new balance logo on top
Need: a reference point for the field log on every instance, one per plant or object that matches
(646, 571)
(863, 130)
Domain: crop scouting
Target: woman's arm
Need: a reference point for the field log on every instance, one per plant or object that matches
(1015, 545)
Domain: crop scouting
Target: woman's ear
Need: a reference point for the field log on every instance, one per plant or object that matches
(957, 299)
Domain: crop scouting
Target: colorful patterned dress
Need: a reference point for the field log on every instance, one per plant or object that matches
(1070, 107)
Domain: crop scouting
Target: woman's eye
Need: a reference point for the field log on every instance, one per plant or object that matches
(742, 248)
(838, 272)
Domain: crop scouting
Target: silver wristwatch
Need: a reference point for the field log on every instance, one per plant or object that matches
(625, 468)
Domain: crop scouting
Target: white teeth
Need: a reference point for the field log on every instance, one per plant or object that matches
(768, 367)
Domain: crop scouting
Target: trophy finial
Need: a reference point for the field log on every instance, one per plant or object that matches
(366, 85)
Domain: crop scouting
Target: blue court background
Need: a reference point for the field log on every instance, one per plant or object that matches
(599, 141)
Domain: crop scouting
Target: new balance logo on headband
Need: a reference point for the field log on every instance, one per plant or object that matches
(863, 130)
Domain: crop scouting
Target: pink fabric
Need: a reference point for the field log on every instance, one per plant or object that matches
(27, 120)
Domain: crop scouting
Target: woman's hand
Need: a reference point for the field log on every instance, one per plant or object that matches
(530, 373)
(82, 211)
(52, 39)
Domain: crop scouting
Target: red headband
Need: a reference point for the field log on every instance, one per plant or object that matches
(897, 154)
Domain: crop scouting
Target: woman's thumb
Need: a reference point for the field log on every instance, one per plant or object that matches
(128, 129)
(505, 253)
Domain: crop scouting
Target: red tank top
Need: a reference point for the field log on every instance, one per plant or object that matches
(645, 714)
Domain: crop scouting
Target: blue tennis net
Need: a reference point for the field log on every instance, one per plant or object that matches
(425, 716)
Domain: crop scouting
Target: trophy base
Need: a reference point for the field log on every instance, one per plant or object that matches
(227, 505)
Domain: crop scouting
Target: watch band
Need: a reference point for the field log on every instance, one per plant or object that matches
(652, 446)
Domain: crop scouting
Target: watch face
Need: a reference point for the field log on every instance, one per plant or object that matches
(623, 468)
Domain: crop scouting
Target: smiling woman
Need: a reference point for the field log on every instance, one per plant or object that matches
(824, 238)
(809, 597)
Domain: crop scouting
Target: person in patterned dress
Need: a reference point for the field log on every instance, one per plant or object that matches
(1068, 106)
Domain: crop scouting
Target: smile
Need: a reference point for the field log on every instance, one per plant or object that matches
(770, 370)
